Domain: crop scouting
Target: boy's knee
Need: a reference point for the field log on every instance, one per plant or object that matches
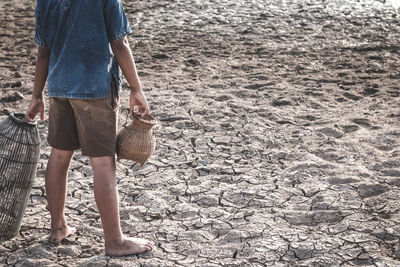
(104, 162)
(61, 155)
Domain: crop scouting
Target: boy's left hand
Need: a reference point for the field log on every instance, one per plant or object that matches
(137, 99)
(36, 106)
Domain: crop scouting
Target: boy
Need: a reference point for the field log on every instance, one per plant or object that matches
(84, 84)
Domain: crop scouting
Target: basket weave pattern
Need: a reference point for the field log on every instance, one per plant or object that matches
(19, 155)
(136, 141)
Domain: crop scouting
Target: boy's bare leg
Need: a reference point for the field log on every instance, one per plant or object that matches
(106, 195)
(56, 189)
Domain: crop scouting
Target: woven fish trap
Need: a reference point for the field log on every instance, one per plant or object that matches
(19, 155)
(136, 141)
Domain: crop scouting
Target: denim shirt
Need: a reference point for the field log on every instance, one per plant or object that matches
(78, 34)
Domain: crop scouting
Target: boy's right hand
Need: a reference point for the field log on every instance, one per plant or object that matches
(36, 106)
(137, 99)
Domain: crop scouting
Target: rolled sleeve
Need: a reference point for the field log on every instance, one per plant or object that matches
(117, 23)
(40, 38)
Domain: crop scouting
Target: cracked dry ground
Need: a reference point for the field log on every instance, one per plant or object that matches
(278, 141)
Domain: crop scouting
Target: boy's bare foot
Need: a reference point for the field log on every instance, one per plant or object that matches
(58, 234)
(128, 246)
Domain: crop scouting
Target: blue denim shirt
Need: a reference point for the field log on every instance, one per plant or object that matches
(78, 34)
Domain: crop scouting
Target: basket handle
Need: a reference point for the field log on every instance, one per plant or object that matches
(135, 115)
(127, 116)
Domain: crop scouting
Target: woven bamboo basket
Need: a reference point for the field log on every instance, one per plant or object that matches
(136, 141)
(19, 155)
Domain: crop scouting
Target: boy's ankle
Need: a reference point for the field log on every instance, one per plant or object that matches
(115, 240)
(59, 223)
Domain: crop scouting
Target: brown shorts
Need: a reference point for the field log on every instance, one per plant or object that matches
(89, 124)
